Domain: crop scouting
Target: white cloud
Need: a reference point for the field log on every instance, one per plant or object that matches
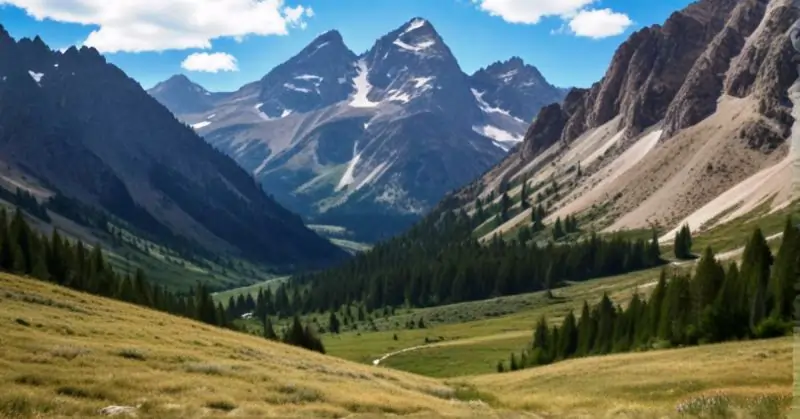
(599, 23)
(157, 25)
(580, 20)
(531, 11)
(211, 63)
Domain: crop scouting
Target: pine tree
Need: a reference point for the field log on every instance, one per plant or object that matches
(500, 368)
(708, 279)
(781, 287)
(755, 272)
(569, 337)
(333, 323)
(558, 230)
(654, 250)
(269, 330)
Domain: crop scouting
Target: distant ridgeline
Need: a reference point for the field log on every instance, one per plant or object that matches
(439, 262)
(25, 252)
(753, 300)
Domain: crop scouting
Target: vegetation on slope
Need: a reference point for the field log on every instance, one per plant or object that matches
(752, 301)
(438, 262)
(69, 354)
(54, 259)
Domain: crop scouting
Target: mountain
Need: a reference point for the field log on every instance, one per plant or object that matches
(183, 95)
(77, 129)
(690, 124)
(372, 141)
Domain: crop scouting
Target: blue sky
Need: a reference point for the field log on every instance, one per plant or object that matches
(570, 41)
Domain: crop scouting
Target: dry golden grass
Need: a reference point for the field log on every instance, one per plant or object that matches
(754, 378)
(68, 354)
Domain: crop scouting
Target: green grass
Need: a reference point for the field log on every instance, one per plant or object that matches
(506, 320)
(251, 290)
(735, 233)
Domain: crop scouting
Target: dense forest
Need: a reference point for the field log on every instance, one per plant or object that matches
(439, 262)
(753, 300)
(24, 251)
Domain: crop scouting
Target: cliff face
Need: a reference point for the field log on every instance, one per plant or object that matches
(709, 85)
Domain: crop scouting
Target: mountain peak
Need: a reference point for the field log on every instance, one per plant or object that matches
(179, 92)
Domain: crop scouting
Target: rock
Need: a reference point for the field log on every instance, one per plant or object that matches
(698, 96)
(119, 411)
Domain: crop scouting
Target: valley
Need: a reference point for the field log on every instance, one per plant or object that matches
(401, 231)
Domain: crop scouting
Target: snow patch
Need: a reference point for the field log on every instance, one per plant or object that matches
(362, 87)
(414, 25)
(486, 107)
(422, 81)
(341, 80)
(285, 113)
(497, 134)
(506, 77)
(202, 124)
(347, 177)
(309, 77)
(321, 45)
(37, 77)
(261, 114)
(414, 48)
(290, 86)
(398, 96)
(55, 65)
(376, 173)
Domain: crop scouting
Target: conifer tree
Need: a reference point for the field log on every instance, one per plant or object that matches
(781, 287)
(269, 330)
(558, 230)
(333, 323)
(756, 263)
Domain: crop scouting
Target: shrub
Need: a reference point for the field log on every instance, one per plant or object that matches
(223, 405)
(773, 328)
(22, 322)
(130, 353)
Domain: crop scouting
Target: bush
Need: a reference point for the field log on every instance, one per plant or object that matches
(130, 353)
(223, 405)
(22, 322)
(773, 328)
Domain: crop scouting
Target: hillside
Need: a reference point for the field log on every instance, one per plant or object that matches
(690, 124)
(68, 354)
(91, 145)
(369, 142)
(71, 354)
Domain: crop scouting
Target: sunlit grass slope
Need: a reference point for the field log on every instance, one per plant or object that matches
(732, 380)
(68, 354)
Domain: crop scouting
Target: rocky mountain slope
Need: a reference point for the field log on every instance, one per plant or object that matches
(76, 127)
(689, 124)
(370, 141)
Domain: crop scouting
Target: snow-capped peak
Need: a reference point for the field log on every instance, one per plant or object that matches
(415, 24)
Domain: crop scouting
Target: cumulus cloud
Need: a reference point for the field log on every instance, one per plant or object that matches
(210, 63)
(599, 23)
(157, 25)
(576, 15)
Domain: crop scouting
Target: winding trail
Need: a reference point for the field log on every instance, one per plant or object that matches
(391, 354)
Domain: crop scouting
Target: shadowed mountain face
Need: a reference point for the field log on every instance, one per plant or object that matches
(372, 141)
(84, 129)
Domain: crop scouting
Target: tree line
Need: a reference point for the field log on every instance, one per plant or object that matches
(55, 259)
(439, 262)
(715, 304)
